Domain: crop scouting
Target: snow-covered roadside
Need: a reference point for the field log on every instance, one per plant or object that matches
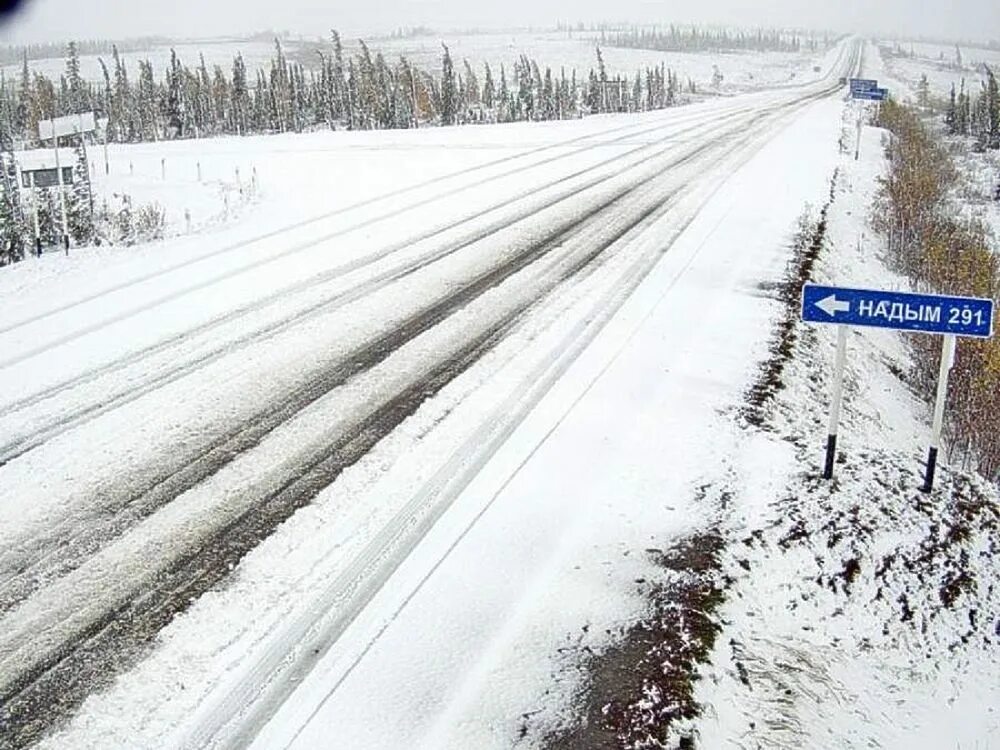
(862, 612)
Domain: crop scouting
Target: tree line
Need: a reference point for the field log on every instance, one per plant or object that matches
(978, 117)
(693, 39)
(362, 91)
(942, 252)
(15, 53)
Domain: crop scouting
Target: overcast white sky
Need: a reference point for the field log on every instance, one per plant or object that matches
(58, 20)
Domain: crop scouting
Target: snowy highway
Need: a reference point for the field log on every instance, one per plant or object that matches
(159, 424)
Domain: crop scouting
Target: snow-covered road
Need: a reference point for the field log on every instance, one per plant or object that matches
(356, 379)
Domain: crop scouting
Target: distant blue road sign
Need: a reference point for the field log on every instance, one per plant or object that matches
(923, 313)
(876, 95)
(863, 84)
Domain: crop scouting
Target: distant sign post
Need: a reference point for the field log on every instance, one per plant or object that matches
(949, 317)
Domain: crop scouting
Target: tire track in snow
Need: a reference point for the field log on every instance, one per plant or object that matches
(65, 674)
(23, 443)
(244, 244)
(64, 546)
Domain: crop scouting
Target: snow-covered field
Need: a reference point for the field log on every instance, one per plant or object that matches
(369, 457)
(940, 64)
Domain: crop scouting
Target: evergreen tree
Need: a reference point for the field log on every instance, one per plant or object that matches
(80, 200)
(924, 91)
(472, 101)
(951, 115)
(27, 109)
(49, 217)
(11, 219)
(449, 91)
(489, 93)
(506, 105)
(174, 104)
(77, 94)
(122, 106)
(992, 97)
(147, 103)
(241, 105)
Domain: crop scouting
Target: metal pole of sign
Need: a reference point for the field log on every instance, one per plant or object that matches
(62, 194)
(838, 394)
(34, 203)
(857, 148)
(947, 362)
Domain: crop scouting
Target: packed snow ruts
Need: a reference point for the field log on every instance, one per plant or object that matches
(23, 443)
(188, 470)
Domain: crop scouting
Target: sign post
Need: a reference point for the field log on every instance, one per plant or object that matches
(947, 362)
(34, 205)
(918, 313)
(838, 395)
(62, 198)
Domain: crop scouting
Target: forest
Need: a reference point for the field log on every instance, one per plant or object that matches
(363, 91)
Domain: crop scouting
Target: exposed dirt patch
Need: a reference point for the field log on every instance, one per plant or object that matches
(806, 247)
(643, 685)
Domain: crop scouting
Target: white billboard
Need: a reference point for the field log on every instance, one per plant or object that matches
(68, 125)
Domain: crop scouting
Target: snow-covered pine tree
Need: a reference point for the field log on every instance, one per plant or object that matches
(78, 99)
(80, 200)
(505, 109)
(49, 218)
(241, 106)
(174, 104)
(964, 111)
(104, 106)
(924, 91)
(449, 92)
(147, 103)
(12, 234)
(992, 94)
(488, 97)
(354, 121)
(549, 106)
(951, 114)
(406, 95)
(27, 110)
(593, 98)
(122, 106)
(221, 100)
(473, 103)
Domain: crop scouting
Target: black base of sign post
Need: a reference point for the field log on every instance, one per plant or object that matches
(931, 467)
(831, 455)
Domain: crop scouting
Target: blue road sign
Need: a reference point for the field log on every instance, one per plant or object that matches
(923, 313)
(863, 84)
(875, 95)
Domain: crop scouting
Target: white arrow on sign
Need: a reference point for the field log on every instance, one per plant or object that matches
(831, 305)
